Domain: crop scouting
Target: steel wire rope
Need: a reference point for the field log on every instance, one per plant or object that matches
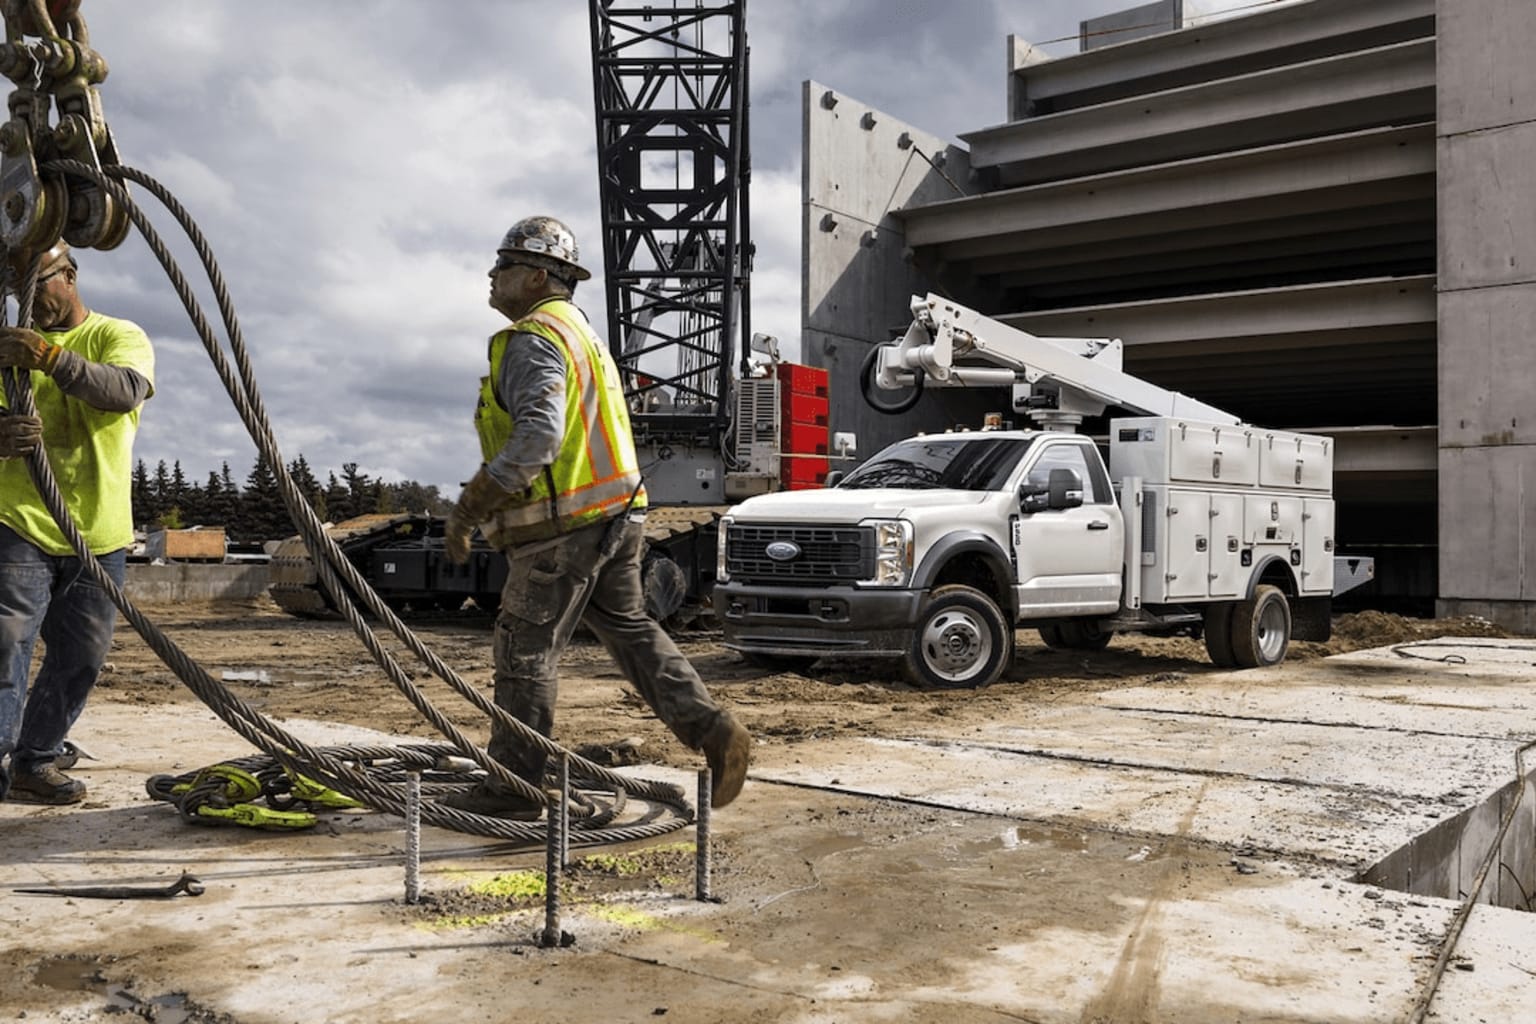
(213, 694)
(248, 402)
(245, 720)
(662, 793)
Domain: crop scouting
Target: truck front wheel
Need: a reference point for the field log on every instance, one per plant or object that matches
(961, 640)
(1261, 628)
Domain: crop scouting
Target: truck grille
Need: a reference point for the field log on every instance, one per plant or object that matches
(826, 553)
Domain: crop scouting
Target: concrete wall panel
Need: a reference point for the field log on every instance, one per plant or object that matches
(1488, 366)
(1488, 523)
(858, 165)
(1488, 206)
(1486, 73)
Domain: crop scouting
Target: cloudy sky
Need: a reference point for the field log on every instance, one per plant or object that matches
(354, 163)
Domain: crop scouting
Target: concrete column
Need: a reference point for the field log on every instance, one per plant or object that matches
(1486, 166)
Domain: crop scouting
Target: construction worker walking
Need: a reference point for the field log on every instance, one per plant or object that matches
(560, 494)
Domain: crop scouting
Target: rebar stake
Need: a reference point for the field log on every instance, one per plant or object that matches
(413, 837)
(701, 841)
(565, 810)
(552, 936)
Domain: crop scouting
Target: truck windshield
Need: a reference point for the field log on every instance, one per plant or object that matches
(942, 463)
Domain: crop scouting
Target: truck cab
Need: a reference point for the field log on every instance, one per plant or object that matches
(932, 551)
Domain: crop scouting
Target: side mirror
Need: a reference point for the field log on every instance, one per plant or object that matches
(1064, 489)
(833, 478)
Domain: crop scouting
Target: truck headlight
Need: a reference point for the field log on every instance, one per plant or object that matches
(893, 552)
(722, 571)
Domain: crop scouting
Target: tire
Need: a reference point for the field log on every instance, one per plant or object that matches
(1051, 636)
(779, 662)
(1218, 634)
(961, 640)
(1261, 628)
(1083, 636)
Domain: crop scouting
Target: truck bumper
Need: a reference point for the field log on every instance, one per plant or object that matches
(824, 622)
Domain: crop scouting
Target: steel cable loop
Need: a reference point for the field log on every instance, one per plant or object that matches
(315, 533)
(218, 783)
(243, 719)
(303, 515)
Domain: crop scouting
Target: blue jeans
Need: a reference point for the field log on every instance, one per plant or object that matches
(53, 597)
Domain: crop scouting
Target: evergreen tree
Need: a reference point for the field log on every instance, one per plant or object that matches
(160, 494)
(194, 506)
(142, 495)
(178, 488)
(337, 504)
(361, 498)
(263, 516)
(304, 480)
(223, 498)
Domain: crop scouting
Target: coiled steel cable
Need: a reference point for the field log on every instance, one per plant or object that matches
(322, 764)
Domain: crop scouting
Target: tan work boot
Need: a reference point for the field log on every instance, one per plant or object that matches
(727, 748)
(45, 784)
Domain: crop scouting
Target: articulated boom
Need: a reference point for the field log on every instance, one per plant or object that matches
(1056, 381)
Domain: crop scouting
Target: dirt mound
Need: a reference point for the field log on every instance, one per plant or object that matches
(1360, 630)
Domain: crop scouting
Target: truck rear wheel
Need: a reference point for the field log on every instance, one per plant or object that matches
(1261, 628)
(962, 640)
(1218, 634)
(1076, 636)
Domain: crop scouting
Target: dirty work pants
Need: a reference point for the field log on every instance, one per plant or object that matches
(55, 598)
(590, 575)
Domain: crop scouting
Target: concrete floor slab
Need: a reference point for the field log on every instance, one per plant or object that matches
(1152, 853)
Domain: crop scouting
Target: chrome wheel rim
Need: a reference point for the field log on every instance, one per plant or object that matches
(955, 645)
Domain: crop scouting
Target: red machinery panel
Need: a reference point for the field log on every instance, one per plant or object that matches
(803, 380)
(800, 473)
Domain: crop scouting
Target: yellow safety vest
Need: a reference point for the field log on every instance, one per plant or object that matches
(596, 474)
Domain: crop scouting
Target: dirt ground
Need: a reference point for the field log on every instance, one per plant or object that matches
(297, 668)
(811, 860)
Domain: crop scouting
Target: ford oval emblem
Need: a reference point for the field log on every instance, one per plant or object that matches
(783, 550)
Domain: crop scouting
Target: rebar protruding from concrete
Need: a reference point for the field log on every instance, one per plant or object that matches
(701, 840)
(554, 860)
(565, 811)
(413, 837)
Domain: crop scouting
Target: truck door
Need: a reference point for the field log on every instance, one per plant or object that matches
(1070, 559)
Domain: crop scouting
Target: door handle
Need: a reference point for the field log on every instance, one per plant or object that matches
(1098, 524)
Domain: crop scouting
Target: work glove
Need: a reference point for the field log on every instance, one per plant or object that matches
(479, 498)
(19, 435)
(27, 350)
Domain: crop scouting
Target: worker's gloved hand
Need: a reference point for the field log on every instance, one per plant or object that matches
(19, 435)
(27, 350)
(480, 497)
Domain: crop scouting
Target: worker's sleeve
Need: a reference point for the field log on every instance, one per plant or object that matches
(100, 385)
(531, 387)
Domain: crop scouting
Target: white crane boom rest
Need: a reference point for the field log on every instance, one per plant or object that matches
(1056, 381)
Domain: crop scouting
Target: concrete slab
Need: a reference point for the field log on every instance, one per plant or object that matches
(1178, 850)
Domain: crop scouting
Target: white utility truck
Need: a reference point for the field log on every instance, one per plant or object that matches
(936, 549)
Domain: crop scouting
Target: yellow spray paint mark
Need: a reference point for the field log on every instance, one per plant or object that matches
(625, 865)
(512, 885)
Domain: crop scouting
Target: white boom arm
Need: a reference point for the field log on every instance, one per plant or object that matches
(1055, 381)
